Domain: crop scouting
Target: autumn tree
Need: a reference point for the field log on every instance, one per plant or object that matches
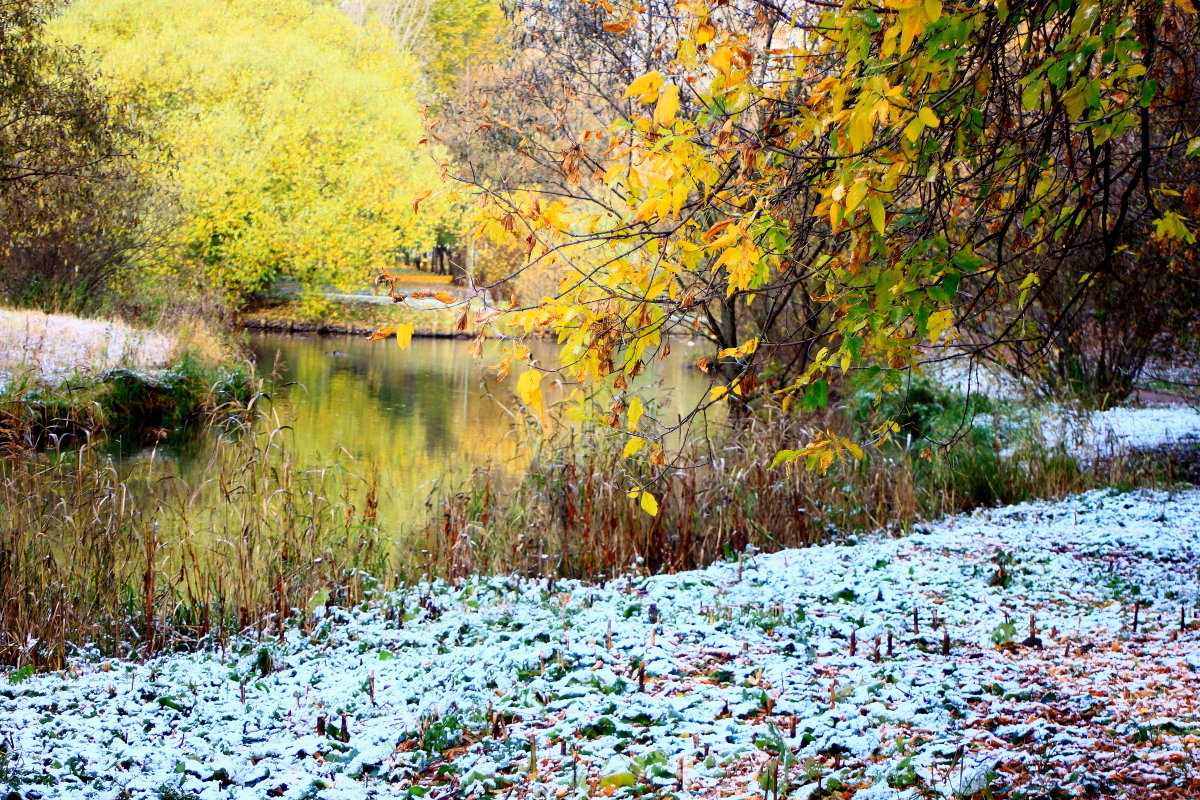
(71, 195)
(293, 136)
(828, 190)
(448, 37)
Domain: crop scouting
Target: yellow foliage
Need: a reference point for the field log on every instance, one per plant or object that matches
(293, 134)
(529, 389)
(646, 87)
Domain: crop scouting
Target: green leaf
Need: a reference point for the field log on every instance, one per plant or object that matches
(816, 397)
(1059, 71)
(1149, 90)
(784, 457)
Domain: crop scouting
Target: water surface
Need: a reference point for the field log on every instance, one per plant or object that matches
(423, 417)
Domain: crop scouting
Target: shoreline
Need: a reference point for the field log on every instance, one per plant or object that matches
(356, 319)
(64, 376)
(335, 328)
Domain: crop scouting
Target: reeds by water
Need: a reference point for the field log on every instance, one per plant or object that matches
(569, 515)
(133, 561)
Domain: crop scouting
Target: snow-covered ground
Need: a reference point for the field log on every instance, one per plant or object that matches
(51, 348)
(1090, 434)
(1136, 428)
(774, 672)
(973, 376)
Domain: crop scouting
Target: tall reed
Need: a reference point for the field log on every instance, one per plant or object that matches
(569, 514)
(132, 560)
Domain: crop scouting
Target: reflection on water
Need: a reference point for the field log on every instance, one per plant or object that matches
(418, 416)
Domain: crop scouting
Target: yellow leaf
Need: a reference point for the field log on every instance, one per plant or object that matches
(912, 25)
(722, 60)
(875, 208)
(855, 196)
(927, 116)
(1028, 283)
(646, 87)
(888, 49)
(679, 196)
(668, 105)
(912, 131)
(939, 321)
(747, 348)
(861, 128)
(636, 409)
(529, 389)
(649, 503)
(404, 334)
(632, 447)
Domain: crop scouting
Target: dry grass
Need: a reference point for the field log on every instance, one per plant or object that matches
(137, 563)
(570, 515)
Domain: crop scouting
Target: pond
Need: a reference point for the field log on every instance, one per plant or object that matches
(420, 419)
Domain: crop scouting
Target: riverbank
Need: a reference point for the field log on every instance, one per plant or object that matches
(1047, 647)
(362, 315)
(64, 375)
(353, 318)
(52, 348)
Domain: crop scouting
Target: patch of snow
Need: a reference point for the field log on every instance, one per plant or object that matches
(51, 348)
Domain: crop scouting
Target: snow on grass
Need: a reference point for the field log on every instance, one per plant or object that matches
(716, 682)
(1143, 428)
(966, 375)
(1090, 434)
(50, 348)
